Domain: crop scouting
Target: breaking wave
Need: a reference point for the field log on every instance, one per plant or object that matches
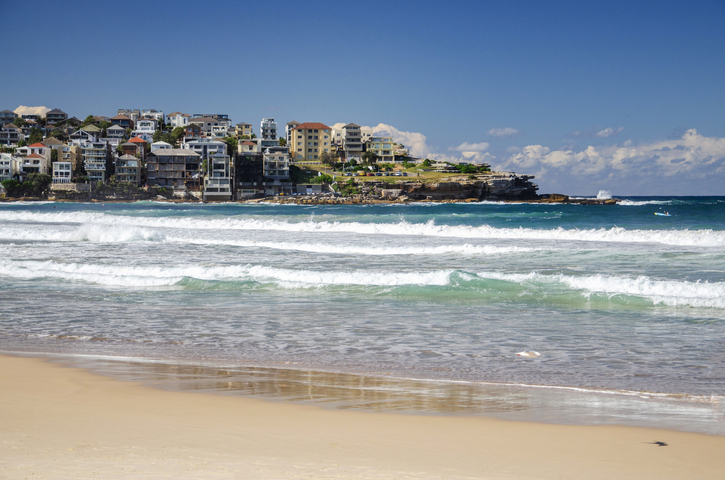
(659, 292)
(699, 238)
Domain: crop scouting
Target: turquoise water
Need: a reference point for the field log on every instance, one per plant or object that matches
(618, 301)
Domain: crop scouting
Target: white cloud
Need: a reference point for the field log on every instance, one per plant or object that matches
(471, 147)
(414, 141)
(609, 132)
(503, 132)
(23, 110)
(673, 165)
(605, 133)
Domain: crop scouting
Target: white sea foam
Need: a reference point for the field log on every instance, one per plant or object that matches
(701, 238)
(94, 233)
(337, 249)
(133, 276)
(666, 292)
(636, 203)
(604, 195)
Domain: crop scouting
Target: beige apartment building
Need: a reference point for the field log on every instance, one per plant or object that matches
(309, 140)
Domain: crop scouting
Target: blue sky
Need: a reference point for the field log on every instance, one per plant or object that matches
(622, 96)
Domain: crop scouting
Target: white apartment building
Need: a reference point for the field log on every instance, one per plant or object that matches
(178, 119)
(383, 148)
(206, 147)
(268, 133)
(7, 166)
(95, 156)
(155, 114)
(276, 163)
(218, 180)
(145, 126)
(352, 141)
(62, 172)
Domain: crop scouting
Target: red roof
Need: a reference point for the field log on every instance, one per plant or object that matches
(120, 117)
(38, 145)
(34, 155)
(311, 125)
(248, 143)
(137, 140)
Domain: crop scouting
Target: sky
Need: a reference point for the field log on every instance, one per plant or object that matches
(623, 96)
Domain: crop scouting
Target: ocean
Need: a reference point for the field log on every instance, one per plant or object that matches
(414, 308)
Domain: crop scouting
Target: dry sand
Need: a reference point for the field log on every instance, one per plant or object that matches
(58, 423)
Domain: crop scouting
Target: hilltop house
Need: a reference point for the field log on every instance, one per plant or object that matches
(122, 121)
(55, 116)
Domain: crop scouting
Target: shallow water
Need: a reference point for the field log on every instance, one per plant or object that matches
(616, 299)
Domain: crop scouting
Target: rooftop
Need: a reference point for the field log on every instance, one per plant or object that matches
(174, 152)
(311, 126)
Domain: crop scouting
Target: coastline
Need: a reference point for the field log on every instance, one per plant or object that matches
(330, 200)
(67, 422)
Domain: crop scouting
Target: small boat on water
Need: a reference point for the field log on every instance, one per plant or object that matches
(665, 214)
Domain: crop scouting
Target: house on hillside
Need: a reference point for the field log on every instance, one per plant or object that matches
(128, 169)
(122, 121)
(178, 119)
(55, 116)
(7, 116)
(10, 135)
(177, 168)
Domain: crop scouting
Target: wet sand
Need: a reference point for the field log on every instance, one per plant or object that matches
(59, 422)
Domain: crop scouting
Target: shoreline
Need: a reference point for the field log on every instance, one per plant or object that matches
(68, 422)
(330, 200)
(385, 392)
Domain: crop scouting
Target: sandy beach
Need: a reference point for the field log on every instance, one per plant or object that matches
(58, 422)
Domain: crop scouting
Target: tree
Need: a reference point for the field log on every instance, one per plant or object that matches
(158, 134)
(231, 143)
(35, 136)
(426, 163)
(176, 134)
(370, 158)
(254, 136)
(19, 122)
(282, 142)
(89, 119)
(327, 158)
(324, 178)
(53, 154)
(245, 137)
